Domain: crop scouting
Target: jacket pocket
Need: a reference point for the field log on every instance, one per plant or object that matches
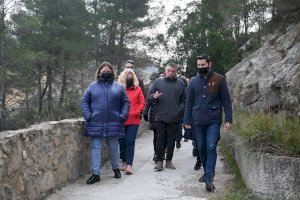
(214, 112)
(196, 113)
(212, 88)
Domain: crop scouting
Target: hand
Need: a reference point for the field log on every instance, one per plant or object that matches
(145, 117)
(187, 126)
(157, 94)
(227, 126)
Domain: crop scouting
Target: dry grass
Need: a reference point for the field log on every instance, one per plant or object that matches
(269, 133)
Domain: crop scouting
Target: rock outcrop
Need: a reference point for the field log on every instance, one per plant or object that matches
(269, 79)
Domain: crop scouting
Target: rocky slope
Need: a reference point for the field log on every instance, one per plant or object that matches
(269, 79)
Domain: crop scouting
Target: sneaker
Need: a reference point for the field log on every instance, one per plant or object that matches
(209, 185)
(159, 166)
(178, 145)
(117, 173)
(123, 167)
(202, 179)
(170, 165)
(128, 170)
(197, 165)
(93, 179)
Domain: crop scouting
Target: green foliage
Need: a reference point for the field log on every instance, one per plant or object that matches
(269, 133)
(45, 45)
(115, 24)
(204, 31)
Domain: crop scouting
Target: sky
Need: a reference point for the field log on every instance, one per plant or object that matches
(169, 6)
(162, 27)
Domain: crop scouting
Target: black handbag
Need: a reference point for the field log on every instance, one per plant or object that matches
(189, 134)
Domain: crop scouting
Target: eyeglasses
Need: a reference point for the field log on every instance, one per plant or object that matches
(129, 67)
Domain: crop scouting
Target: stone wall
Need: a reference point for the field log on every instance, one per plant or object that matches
(268, 176)
(45, 157)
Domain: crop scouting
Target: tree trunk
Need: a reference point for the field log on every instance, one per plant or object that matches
(41, 91)
(2, 65)
(96, 32)
(49, 93)
(112, 36)
(3, 103)
(246, 24)
(63, 87)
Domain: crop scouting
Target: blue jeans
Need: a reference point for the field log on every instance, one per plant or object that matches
(127, 144)
(195, 146)
(96, 144)
(207, 138)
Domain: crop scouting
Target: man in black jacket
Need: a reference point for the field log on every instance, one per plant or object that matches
(169, 94)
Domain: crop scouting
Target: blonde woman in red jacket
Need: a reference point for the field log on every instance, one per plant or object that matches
(130, 82)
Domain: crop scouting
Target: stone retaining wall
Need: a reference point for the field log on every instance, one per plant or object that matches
(43, 158)
(268, 176)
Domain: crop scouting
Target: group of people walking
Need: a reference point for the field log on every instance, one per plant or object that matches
(113, 111)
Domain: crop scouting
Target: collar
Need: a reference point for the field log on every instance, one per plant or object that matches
(169, 79)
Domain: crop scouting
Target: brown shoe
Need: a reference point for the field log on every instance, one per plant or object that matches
(123, 167)
(170, 165)
(128, 170)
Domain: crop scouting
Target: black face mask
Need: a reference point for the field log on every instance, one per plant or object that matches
(203, 71)
(129, 82)
(106, 76)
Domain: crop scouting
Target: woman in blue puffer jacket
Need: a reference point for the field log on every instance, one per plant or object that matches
(105, 107)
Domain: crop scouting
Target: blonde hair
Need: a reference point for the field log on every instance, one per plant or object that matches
(123, 77)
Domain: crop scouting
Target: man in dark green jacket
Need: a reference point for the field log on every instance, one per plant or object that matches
(169, 95)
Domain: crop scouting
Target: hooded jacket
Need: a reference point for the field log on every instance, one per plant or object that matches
(105, 108)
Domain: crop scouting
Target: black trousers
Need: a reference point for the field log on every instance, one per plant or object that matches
(165, 131)
(155, 141)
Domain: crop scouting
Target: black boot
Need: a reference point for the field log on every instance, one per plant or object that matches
(117, 173)
(195, 152)
(178, 145)
(202, 179)
(197, 165)
(93, 179)
(209, 184)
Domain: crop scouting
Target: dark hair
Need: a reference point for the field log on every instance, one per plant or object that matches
(129, 61)
(105, 64)
(173, 65)
(204, 56)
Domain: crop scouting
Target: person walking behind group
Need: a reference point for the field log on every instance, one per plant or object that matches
(129, 64)
(179, 135)
(169, 94)
(130, 82)
(105, 107)
(207, 95)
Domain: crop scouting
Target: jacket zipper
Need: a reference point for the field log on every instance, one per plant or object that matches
(106, 105)
(169, 99)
